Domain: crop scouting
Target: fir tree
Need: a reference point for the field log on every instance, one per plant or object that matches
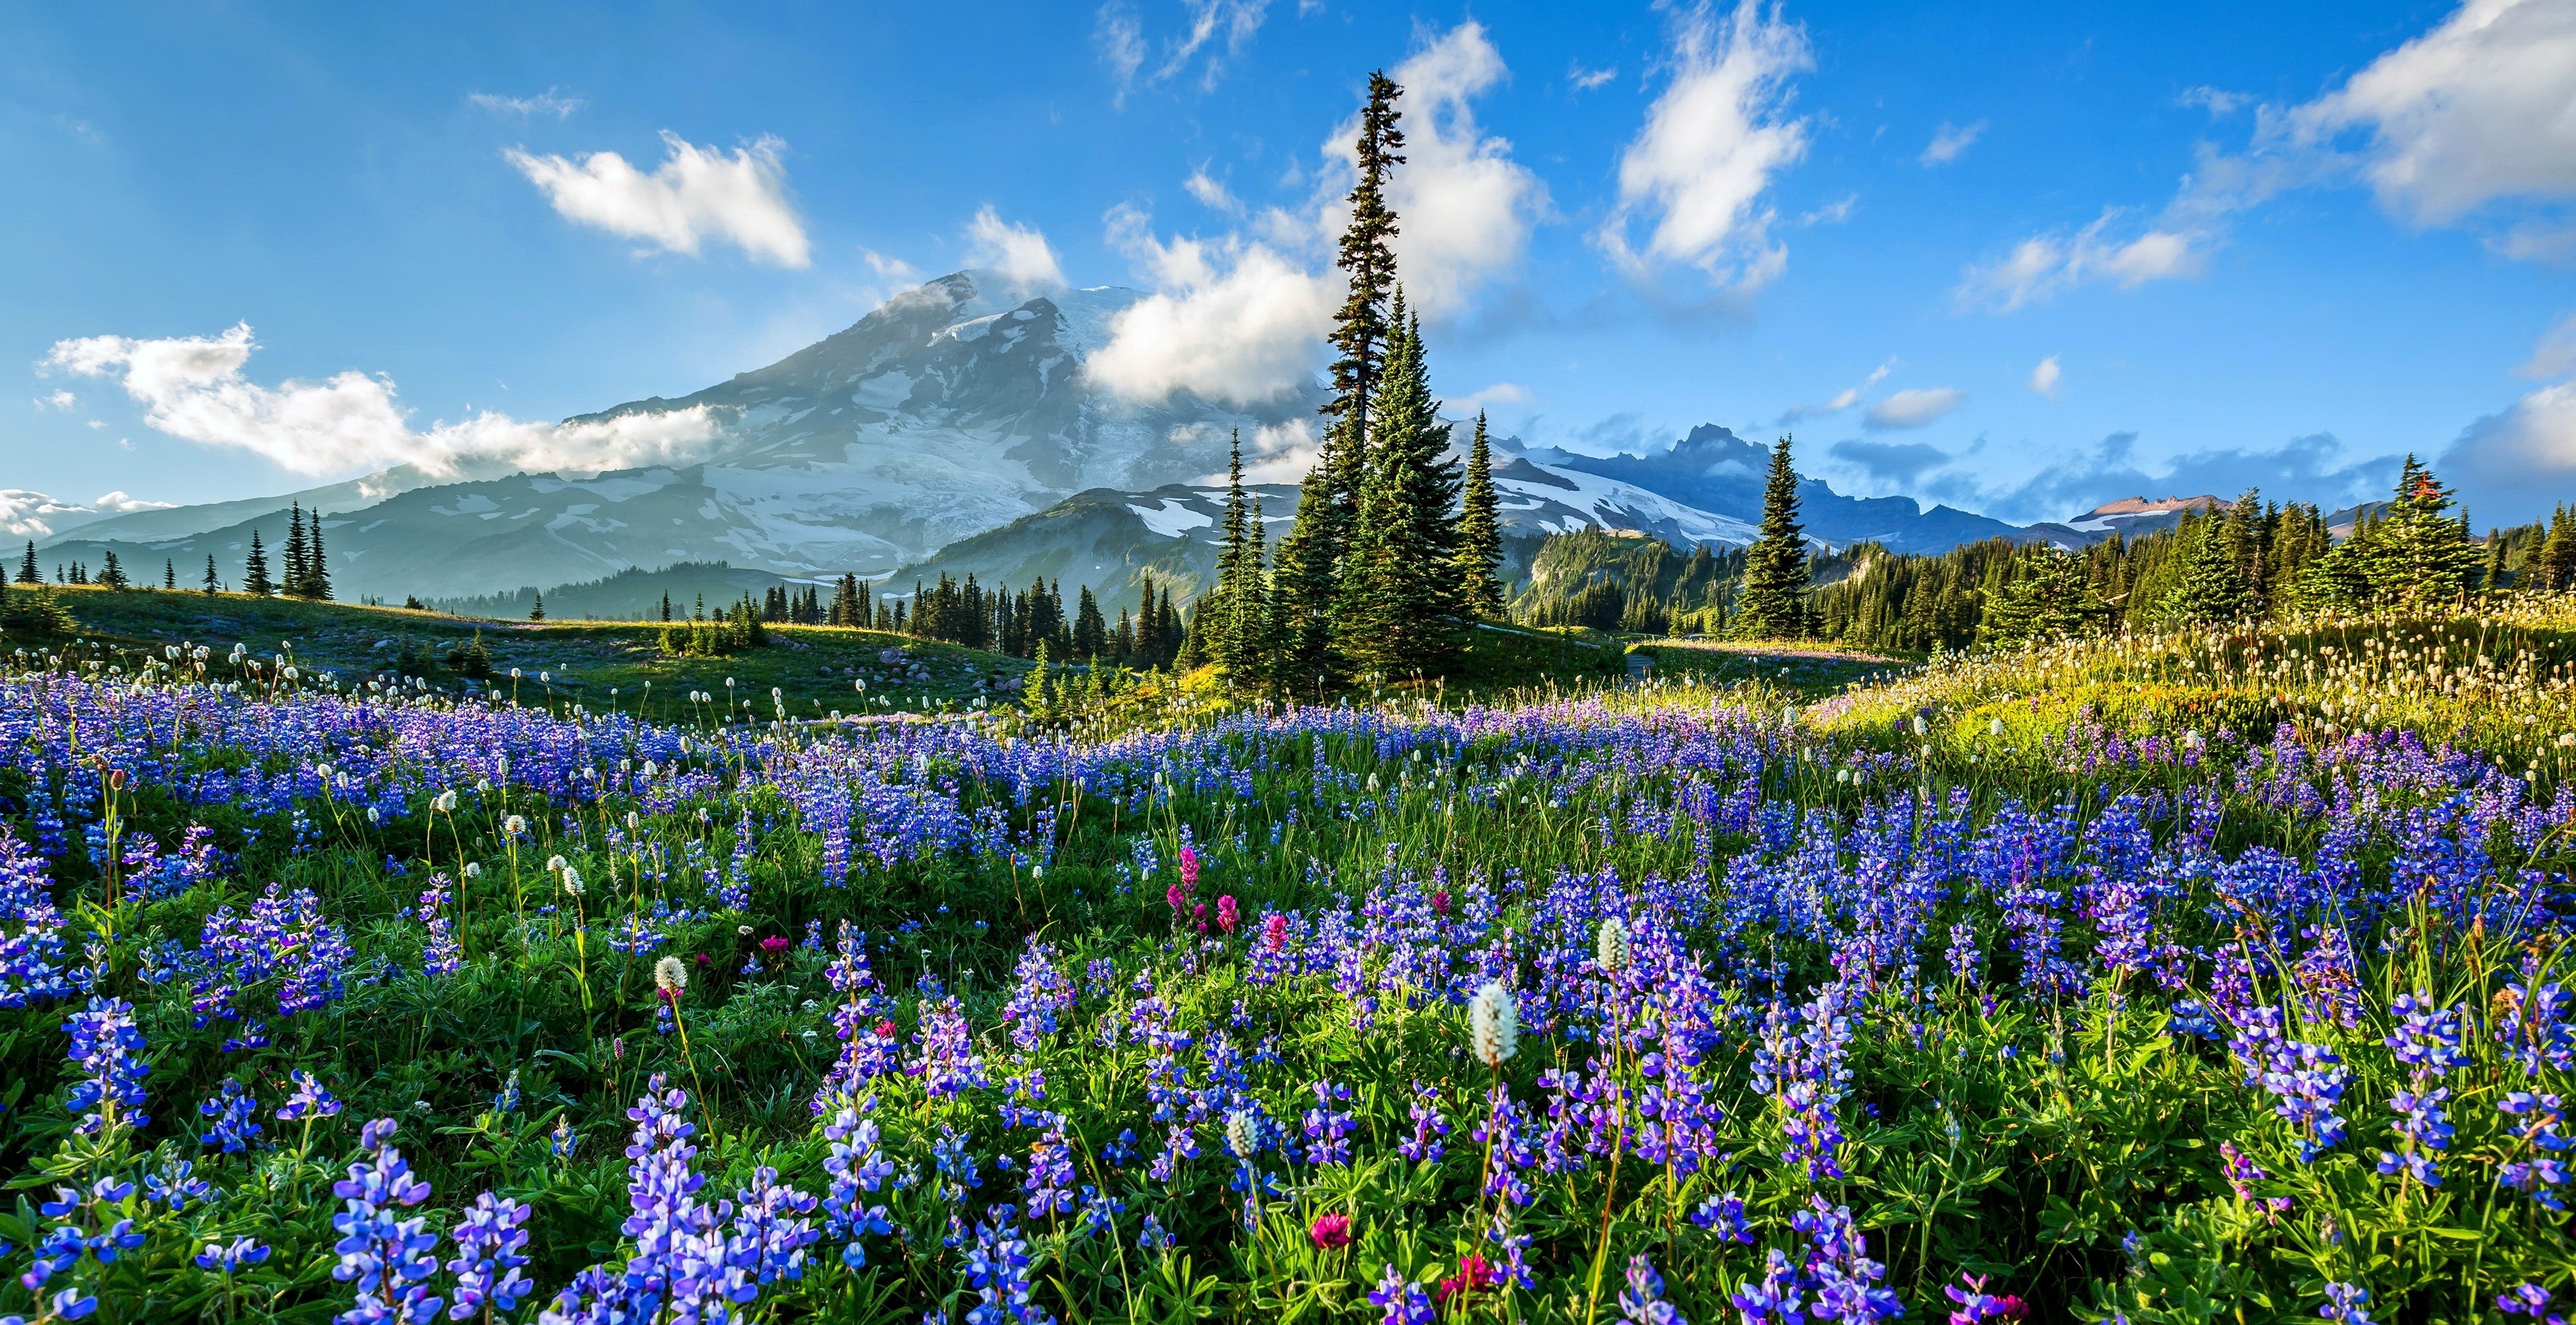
(2557, 552)
(169, 573)
(536, 606)
(297, 566)
(213, 584)
(27, 571)
(1398, 595)
(317, 567)
(1230, 616)
(1480, 533)
(666, 606)
(113, 575)
(2418, 553)
(255, 581)
(1773, 605)
(2211, 586)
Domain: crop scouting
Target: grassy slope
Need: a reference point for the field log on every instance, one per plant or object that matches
(815, 666)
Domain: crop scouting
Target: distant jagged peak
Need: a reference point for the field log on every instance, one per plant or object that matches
(2158, 506)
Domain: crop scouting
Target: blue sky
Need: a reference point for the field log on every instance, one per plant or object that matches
(2279, 244)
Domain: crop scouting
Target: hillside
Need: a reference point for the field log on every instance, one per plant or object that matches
(602, 665)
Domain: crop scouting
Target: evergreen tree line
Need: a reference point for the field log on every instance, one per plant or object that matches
(1632, 584)
(2252, 559)
(731, 630)
(1033, 622)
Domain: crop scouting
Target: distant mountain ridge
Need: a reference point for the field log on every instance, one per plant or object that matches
(953, 427)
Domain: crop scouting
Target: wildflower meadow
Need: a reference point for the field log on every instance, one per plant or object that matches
(2220, 973)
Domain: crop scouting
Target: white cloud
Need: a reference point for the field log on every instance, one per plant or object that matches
(61, 400)
(2044, 264)
(2470, 114)
(2516, 465)
(1218, 30)
(1949, 142)
(2555, 355)
(1840, 400)
(1709, 148)
(886, 268)
(1230, 320)
(2214, 100)
(2473, 111)
(1281, 453)
(1500, 393)
(1121, 40)
(25, 514)
(1242, 318)
(543, 103)
(2043, 379)
(1017, 251)
(1832, 213)
(697, 194)
(1467, 206)
(1211, 193)
(119, 502)
(1585, 80)
(1913, 408)
(192, 388)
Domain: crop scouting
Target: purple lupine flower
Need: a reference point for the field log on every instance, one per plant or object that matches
(307, 1101)
(1642, 1301)
(1838, 1265)
(1801, 1067)
(856, 1165)
(489, 1242)
(2535, 1029)
(770, 1233)
(2528, 1299)
(1428, 1127)
(1050, 1175)
(998, 1270)
(2307, 1079)
(2427, 1041)
(1976, 1304)
(234, 1113)
(2344, 1303)
(109, 1051)
(1723, 1215)
(230, 1257)
(948, 1063)
(1404, 1300)
(441, 956)
(2538, 1173)
(1776, 1296)
(1328, 1130)
(1040, 995)
(389, 1257)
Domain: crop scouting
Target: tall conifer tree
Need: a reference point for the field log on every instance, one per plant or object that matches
(1480, 533)
(1306, 585)
(297, 566)
(1774, 604)
(1398, 600)
(317, 566)
(255, 581)
(28, 573)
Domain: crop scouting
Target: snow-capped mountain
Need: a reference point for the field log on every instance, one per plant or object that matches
(953, 427)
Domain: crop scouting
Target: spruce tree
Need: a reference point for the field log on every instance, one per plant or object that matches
(2419, 553)
(1773, 605)
(27, 571)
(169, 573)
(298, 568)
(2211, 586)
(1398, 593)
(255, 581)
(1480, 533)
(113, 575)
(317, 567)
(213, 583)
(536, 606)
(2557, 552)
(1230, 616)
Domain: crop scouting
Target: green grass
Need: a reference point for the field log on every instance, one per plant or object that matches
(815, 668)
